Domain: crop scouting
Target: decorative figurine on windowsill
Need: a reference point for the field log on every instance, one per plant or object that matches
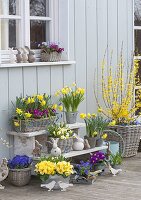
(31, 55)
(12, 56)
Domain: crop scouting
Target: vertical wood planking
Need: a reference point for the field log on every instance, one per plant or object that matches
(4, 90)
(30, 81)
(102, 41)
(91, 22)
(44, 79)
(80, 47)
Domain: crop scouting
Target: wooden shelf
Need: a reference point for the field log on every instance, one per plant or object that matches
(28, 134)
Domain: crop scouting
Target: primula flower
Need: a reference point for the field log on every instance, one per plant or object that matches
(60, 108)
(97, 157)
(104, 136)
(54, 106)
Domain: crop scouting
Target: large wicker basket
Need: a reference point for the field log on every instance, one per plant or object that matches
(131, 137)
(31, 125)
(65, 145)
(19, 177)
(50, 57)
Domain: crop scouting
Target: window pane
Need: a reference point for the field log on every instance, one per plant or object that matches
(138, 75)
(39, 8)
(137, 14)
(8, 33)
(137, 42)
(9, 7)
(38, 32)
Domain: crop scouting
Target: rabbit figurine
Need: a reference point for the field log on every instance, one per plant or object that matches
(12, 56)
(19, 56)
(24, 55)
(31, 55)
(55, 151)
(78, 145)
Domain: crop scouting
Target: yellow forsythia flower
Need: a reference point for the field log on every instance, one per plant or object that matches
(60, 108)
(104, 136)
(43, 103)
(28, 115)
(16, 124)
(112, 123)
(82, 115)
(19, 111)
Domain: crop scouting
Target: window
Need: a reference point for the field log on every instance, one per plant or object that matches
(29, 22)
(137, 45)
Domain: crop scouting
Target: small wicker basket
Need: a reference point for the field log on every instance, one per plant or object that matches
(131, 137)
(19, 177)
(31, 125)
(50, 57)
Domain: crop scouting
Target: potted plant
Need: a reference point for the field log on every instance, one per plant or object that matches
(95, 126)
(97, 160)
(82, 173)
(50, 52)
(119, 105)
(116, 160)
(56, 169)
(33, 113)
(19, 170)
(64, 134)
(71, 97)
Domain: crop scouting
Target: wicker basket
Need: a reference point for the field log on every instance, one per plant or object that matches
(131, 137)
(65, 145)
(31, 125)
(19, 177)
(50, 57)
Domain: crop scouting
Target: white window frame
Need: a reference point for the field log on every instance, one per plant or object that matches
(58, 29)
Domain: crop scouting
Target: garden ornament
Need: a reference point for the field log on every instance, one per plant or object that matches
(55, 151)
(86, 144)
(64, 186)
(37, 151)
(12, 56)
(49, 186)
(24, 55)
(19, 56)
(78, 145)
(31, 55)
(113, 171)
(3, 171)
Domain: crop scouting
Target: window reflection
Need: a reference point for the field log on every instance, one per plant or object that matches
(137, 42)
(39, 8)
(12, 7)
(137, 14)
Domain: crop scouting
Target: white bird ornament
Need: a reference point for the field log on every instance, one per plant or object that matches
(64, 186)
(49, 186)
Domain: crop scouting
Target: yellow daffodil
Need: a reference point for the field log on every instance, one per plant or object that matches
(95, 133)
(88, 115)
(19, 111)
(40, 97)
(16, 124)
(93, 115)
(43, 103)
(104, 136)
(64, 91)
(99, 110)
(32, 100)
(28, 101)
(82, 115)
(28, 115)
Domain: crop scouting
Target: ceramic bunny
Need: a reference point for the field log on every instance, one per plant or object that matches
(19, 56)
(55, 151)
(12, 56)
(78, 145)
(24, 55)
(31, 55)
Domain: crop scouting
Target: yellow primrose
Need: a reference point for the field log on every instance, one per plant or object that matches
(43, 103)
(28, 115)
(60, 108)
(54, 106)
(19, 111)
(40, 97)
(82, 115)
(16, 124)
(104, 136)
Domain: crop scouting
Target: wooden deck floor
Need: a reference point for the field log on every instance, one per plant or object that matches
(126, 186)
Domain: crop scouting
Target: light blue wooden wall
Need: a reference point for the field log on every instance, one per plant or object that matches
(94, 26)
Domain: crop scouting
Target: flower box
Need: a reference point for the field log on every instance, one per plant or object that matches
(51, 57)
(31, 125)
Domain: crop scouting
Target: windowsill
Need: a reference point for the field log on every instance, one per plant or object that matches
(8, 65)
